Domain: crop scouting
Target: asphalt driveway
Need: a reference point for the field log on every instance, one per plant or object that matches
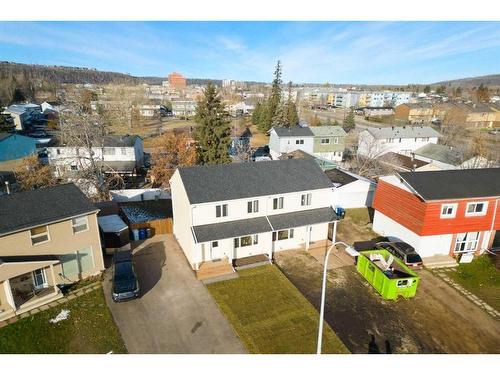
(175, 313)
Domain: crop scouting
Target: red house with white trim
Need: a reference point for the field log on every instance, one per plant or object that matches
(440, 212)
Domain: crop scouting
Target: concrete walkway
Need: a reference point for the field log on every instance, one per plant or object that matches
(176, 313)
(472, 297)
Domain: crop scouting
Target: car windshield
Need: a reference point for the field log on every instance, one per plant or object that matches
(123, 271)
(413, 258)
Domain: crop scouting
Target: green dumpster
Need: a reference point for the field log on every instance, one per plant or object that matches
(390, 280)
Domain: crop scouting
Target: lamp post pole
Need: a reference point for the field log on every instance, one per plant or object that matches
(323, 293)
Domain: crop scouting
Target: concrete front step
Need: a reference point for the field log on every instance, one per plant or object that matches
(439, 261)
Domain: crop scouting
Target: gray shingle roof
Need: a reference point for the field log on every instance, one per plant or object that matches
(455, 184)
(20, 211)
(295, 131)
(328, 131)
(302, 218)
(440, 153)
(230, 229)
(244, 180)
(403, 132)
(340, 177)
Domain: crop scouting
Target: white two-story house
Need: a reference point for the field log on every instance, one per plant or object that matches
(375, 142)
(122, 154)
(325, 142)
(240, 210)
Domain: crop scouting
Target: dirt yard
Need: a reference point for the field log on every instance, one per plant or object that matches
(437, 320)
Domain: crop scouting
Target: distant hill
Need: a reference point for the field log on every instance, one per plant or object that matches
(64, 74)
(492, 80)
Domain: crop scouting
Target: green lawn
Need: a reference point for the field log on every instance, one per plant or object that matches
(89, 329)
(270, 315)
(481, 278)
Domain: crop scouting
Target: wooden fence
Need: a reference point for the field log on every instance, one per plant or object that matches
(160, 226)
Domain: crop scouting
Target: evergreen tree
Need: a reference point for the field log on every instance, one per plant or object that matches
(349, 124)
(273, 102)
(257, 113)
(291, 109)
(213, 134)
(427, 89)
(336, 123)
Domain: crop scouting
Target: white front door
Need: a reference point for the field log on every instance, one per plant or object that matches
(215, 250)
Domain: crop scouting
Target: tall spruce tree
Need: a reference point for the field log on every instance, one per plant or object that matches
(349, 123)
(291, 109)
(274, 101)
(213, 133)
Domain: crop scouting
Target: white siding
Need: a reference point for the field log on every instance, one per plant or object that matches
(280, 145)
(356, 194)
(426, 246)
(204, 213)
(373, 148)
(181, 210)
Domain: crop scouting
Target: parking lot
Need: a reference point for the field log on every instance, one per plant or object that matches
(437, 320)
(175, 313)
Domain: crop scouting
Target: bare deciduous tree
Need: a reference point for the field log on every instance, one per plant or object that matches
(171, 151)
(32, 174)
(84, 133)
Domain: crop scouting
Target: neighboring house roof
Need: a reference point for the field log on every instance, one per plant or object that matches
(328, 131)
(237, 132)
(244, 180)
(403, 161)
(37, 207)
(297, 154)
(339, 177)
(144, 211)
(295, 131)
(454, 184)
(403, 132)
(231, 229)
(4, 136)
(442, 153)
(302, 218)
(109, 141)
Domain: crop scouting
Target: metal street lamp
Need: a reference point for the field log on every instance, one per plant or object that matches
(323, 292)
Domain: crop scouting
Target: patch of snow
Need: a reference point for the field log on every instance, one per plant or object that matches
(63, 315)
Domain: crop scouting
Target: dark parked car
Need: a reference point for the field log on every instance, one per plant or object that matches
(404, 252)
(125, 283)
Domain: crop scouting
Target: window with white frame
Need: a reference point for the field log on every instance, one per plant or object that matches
(124, 150)
(255, 239)
(80, 224)
(109, 151)
(425, 139)
(39, 235)
(390, 140)
(253, 206)
(39, 279)
(246, 241)
(283, 234)
(476, 208)
(299, 142)
(221, 210)
(215, 244)
(466, 242)
(325, 141)
(305, 199)
(278, 203)
(336, 140)
(448, 210)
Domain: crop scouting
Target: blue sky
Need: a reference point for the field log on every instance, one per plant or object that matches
(335, 52)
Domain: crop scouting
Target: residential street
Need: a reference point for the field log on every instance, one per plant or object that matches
(437, 320)
(175, 313)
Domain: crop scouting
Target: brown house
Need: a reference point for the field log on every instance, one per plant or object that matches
(48, 237)
(414, 113)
